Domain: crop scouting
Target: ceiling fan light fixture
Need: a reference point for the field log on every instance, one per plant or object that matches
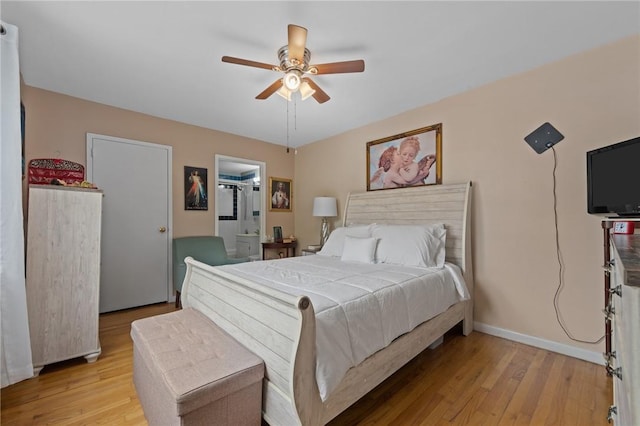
(291, 81)
(295, 61)
(306, 90)
(284, 92)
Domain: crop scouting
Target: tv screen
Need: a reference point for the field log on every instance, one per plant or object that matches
(613, 179)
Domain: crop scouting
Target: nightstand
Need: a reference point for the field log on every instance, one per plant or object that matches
(287, 249)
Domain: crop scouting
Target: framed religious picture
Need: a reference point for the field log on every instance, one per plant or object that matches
(408, 159)
(281, 190)
(195, 188)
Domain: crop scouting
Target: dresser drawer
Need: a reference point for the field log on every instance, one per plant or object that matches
(622, 412)
(617, 281)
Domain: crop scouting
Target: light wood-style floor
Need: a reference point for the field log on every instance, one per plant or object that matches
(479, 379)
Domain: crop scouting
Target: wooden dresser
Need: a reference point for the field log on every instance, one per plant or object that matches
(623, 312)
(63, 273)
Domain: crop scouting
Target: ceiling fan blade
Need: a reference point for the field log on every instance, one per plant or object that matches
(297, 42)
(270, 90)
(238, 61)
(340, 67)
(319, 95)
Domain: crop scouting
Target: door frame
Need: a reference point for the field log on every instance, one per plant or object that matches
(169, 149)
(263, 198)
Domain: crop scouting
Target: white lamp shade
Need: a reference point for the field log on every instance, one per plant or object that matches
(284, 92)
(291, 81)
(325, 207)
(306, 90)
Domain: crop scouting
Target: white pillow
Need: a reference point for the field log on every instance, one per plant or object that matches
(411, 245)
(335, 242)
(359, 249)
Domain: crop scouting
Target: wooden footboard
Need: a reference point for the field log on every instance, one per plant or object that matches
(277, 327)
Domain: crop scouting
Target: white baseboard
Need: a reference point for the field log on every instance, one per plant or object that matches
(572, 351)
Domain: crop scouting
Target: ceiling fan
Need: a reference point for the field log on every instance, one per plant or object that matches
(294, 62)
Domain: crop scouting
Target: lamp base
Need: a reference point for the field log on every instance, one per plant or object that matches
(324, 231)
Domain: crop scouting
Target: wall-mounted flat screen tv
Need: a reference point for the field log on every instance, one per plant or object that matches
(613, 179)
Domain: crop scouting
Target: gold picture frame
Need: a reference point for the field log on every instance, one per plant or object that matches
(281, 194)
(405, 159)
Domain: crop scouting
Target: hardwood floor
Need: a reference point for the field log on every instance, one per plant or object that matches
(479, 379)
(76, 393)
(486, 380)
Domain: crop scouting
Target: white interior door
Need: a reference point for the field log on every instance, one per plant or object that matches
(136, 235)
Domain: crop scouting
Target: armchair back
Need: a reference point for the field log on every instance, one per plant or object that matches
(207, 249)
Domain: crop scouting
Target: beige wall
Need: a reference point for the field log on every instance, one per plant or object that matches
(57, 126)
(594, 100)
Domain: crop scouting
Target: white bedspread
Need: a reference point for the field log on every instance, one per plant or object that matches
(360, 308)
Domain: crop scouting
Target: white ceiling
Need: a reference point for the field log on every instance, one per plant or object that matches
(163, 58)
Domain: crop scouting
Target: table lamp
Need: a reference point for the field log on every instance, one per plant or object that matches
(324, 207)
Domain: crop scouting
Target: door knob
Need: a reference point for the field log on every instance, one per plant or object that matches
(162, 229)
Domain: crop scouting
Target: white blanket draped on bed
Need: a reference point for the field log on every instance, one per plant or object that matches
(360, 308)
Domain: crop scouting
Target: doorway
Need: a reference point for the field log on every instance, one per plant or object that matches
(239, 200)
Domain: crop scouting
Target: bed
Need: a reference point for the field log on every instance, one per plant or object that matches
(280, 326)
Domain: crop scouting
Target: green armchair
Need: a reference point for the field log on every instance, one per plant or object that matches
(206, 249)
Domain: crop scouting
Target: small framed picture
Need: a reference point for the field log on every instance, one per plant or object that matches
(195, 188)
(277, 234)
(281, 190)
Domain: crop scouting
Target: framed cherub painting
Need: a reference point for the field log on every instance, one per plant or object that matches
(408, 159)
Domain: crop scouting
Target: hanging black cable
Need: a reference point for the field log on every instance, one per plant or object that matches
(560, 262)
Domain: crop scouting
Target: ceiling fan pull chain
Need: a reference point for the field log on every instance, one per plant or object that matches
(287, 127)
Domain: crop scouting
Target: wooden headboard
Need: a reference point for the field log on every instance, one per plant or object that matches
(429, 204)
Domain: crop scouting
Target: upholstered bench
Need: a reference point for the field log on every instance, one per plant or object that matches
(188, 371)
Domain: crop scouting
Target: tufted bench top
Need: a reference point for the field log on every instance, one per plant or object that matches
(196, 360)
